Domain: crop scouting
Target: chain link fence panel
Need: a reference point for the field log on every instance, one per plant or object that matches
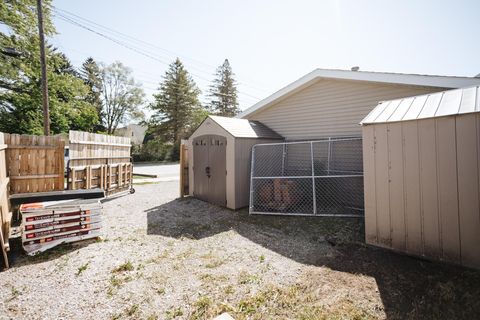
(323, 178)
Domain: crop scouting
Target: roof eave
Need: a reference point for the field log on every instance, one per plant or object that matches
(446, 82)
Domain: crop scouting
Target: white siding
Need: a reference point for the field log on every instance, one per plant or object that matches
(330, 108)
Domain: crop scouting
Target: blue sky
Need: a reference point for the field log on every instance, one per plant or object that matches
(272, 43)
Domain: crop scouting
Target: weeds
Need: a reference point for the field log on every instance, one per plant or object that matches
(82, 268)
(14, 293)
(127, 266)
(174, 313)
(246, 278)
(201, 307)
(132, 310)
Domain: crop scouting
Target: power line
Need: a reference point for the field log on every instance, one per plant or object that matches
(131, 38)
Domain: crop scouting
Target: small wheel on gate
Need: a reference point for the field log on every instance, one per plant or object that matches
(132, 190)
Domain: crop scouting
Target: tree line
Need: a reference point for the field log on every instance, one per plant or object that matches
(98, 97)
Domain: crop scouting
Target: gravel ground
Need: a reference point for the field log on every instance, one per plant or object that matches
(164, 258)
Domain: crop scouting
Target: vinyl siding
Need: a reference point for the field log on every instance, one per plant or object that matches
(330, 108)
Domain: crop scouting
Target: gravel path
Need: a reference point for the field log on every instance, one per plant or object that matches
(163, 258)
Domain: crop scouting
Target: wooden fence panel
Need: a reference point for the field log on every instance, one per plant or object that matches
(5, 214)
(183, 170)
(99, 161)
(34, 163)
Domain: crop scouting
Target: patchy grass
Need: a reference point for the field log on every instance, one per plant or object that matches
(14, 293)
(132, 310)
(201, 307)
(127, 266)
(247, 278)
(174, 313)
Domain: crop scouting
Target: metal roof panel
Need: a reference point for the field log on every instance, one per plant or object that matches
(468, 100)
(388, 111)
(445, 103)
(401, 109)
(431, 106)
(450, 103)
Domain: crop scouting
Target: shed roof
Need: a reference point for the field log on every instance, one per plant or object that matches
(445, 103)
(436, 81)
(243, 128)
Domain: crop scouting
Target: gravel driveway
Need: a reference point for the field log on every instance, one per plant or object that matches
(163, 258)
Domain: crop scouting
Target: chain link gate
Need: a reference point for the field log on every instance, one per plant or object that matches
(323, 178)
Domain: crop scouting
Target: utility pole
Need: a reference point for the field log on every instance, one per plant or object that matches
(43, 62)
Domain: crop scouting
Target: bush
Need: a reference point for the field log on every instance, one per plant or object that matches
(153, 150)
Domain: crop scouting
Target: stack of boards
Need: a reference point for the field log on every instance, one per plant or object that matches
(48, 224)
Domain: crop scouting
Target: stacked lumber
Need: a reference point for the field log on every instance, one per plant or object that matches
(48, 224)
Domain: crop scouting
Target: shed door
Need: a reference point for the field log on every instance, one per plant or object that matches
(209, 168)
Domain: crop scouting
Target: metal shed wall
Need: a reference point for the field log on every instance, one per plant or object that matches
(421, 181)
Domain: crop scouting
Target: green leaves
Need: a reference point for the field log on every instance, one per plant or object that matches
(121, 95)
(20, 95)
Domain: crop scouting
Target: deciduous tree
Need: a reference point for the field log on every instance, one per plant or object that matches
(121, 95)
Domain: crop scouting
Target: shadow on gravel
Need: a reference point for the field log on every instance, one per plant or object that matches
(409, 287)
(19, 258)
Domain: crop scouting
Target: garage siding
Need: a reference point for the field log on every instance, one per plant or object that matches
(330, 108)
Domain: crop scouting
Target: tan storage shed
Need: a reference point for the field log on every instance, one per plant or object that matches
(422, 175)
(220, 158)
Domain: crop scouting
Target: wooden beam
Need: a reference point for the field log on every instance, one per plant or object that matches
(37, 176)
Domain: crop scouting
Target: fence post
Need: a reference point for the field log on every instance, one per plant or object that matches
(250, 207)
(328, 155)
(313, 180)
(182, 188)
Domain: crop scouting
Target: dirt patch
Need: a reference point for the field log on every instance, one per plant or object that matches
(163, 258)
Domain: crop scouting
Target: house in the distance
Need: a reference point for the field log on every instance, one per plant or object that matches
(135, 132)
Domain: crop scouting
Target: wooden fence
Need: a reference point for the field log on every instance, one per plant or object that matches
(34, 163)
(5, 214)
(183, 170)
(99, 161)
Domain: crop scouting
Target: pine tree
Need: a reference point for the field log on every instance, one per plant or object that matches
(176, 106)
(223, 92)
(92, 77)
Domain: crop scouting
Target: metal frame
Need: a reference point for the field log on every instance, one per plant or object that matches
(331, 173)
